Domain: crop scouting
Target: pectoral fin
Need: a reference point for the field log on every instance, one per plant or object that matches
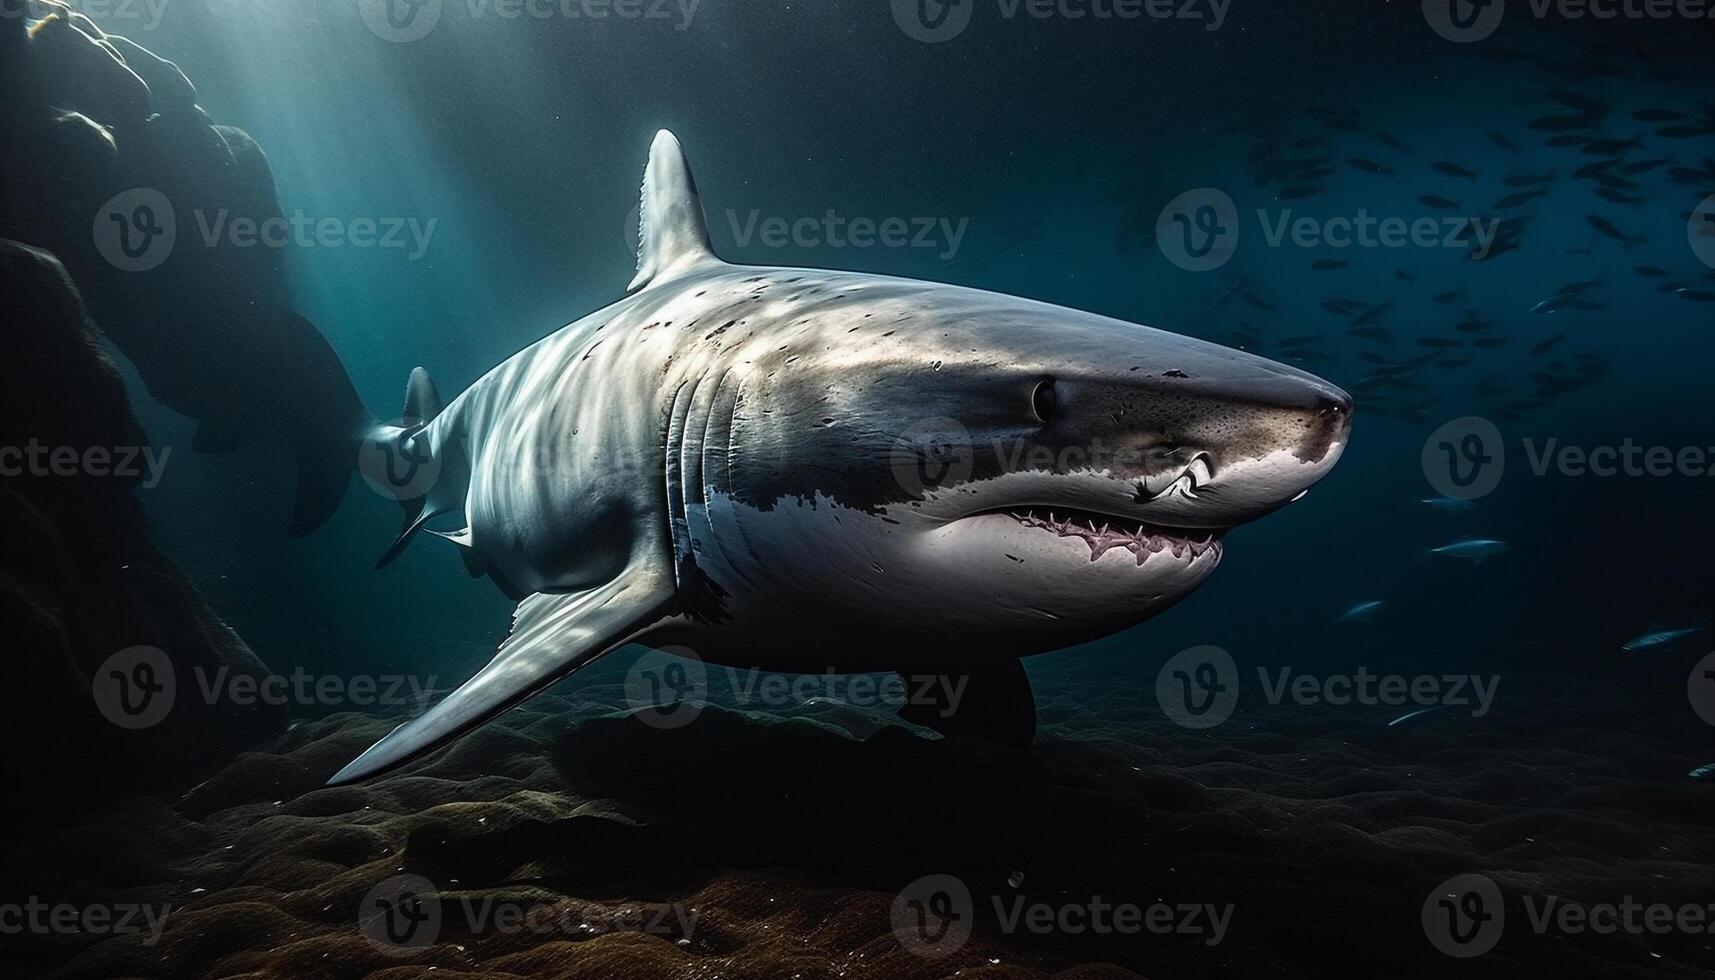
(552, 636)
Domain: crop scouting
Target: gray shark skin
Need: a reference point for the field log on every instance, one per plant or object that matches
(805, 470)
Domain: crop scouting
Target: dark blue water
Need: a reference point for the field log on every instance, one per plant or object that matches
(1039, 157)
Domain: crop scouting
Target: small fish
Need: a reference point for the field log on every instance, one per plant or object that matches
(1453, 170)
(1299, 191)
(1301, 340)
(1559, 124)
(1644, 166)
(1609, 194)
(1514, 200)
(1472, 549)
(1371, 315)
(1371, 333)
(1695, 295)
(1449, 505)
(1657, 115)
(1368, 166)
(1649, 271)
(1529, 180)
(1404, 276)
(1590, 170)
(1360, 612)
(1449, 363)
(1487, 342)
(1500, 139)
(1472, 323)
(1392, 141)
(1659, 638)
(1328, 265)
(1685, 132)
(1562, 142)
(1443, 203)
(1597, 148)
(1606, 227)
(1452, 296)
(1439, 343)
(1260, 303)
(1702, 772)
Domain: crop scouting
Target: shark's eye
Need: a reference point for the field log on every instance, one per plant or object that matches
(1043, 401)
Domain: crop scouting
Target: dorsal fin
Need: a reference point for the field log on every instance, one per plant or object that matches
(672, 230)
(422, 398)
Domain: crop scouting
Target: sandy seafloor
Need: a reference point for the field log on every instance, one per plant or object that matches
(789, 833)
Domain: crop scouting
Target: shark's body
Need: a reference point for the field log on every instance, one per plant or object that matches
(805, 470)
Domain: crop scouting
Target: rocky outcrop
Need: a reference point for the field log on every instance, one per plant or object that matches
(110, 164)
(81, 582)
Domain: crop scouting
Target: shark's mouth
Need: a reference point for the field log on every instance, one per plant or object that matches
(1105, 532)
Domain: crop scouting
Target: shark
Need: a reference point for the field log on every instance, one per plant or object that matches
(807, 470)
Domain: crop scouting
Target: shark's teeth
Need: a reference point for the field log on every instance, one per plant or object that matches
(1141, 541)
(1184, 483)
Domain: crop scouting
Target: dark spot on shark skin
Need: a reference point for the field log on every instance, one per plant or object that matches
(1175, 373)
